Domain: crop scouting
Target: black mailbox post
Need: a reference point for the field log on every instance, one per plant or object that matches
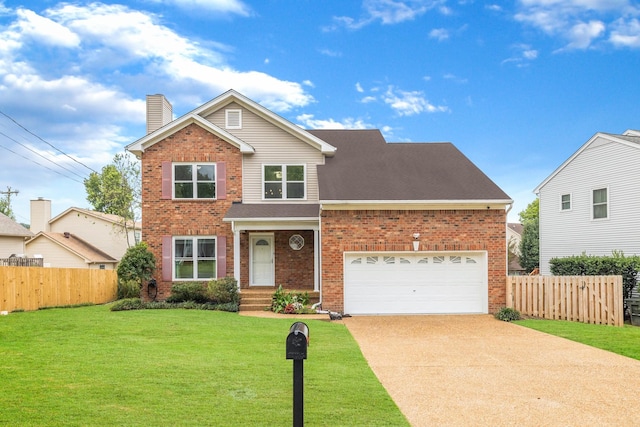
(297, 343)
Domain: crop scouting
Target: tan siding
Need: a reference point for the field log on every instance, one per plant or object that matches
(104, 235)
(11, 245)
(273, 146)
(54, 255)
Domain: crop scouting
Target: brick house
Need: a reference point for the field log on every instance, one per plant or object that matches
(233, 189)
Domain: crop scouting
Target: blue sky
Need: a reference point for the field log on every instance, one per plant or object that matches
(517, 86)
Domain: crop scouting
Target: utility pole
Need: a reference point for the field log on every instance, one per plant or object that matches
(8, 193)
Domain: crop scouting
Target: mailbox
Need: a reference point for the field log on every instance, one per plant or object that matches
(298, 341)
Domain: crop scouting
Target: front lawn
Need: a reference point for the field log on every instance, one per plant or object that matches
(90, 366)
(624, 340)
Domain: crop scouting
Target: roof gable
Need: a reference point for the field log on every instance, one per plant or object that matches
(197, 116)
(630, 138)
(367, 168)
(76, 246)
(110, 218)
(169, 129)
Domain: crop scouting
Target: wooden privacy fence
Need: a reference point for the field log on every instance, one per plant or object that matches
(587, 299)
(31, 288)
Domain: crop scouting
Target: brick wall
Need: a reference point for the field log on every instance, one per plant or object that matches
(293, 269)
(162, 217)
(392, 231)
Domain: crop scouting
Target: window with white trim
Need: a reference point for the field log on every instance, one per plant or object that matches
(194, 180)
(284, 181)
(600, 203)
(194, 257)
(565, 202)
(233, 119)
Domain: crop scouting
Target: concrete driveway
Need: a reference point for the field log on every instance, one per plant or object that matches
(475, 370)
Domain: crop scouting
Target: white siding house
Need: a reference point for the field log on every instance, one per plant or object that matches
(591, 203)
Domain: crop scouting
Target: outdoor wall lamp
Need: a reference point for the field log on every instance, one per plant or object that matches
(416, 242)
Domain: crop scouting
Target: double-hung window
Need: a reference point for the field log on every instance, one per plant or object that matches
(600, 204)
(284, 182)
(194, 258)
(194, 180)
(565, 202)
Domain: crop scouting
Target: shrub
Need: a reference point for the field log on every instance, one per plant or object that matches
(222, 291)
(127, 304)
(183, 292)
(589, 265)
(508, 314)
(128, 288)
(288, 302)
(138, 264)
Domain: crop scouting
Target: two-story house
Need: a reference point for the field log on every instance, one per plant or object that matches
(233, 189)
(591, 203)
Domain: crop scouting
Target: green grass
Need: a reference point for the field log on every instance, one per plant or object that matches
(90, 366)
(624, 340)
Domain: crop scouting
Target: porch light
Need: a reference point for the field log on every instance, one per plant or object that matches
(416, 242)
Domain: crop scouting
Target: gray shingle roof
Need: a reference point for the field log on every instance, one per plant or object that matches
(367, 168)
(9, 227)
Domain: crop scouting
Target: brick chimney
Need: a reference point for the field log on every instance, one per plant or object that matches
(159, 112)
(40, 215)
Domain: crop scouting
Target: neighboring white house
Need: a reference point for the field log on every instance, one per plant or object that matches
(79, 238)
(591, 203)
(12, 237)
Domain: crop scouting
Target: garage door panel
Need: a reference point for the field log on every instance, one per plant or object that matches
(415, 283)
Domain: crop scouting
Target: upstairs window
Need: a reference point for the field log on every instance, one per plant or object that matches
(600, 204)
(565, 202)
(284, 182)
(194, 181)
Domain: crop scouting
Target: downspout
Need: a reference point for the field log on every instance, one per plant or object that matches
(506, 241)
(319, 303)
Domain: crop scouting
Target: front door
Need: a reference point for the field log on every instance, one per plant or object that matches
(262, 265)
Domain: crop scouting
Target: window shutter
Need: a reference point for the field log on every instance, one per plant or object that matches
(221, 178)
(166, 180)
(221, 257)
(166, 258)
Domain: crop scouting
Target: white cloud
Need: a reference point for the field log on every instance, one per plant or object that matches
(579, 23)
(359, 87)
(330, 53)
(220, 6)
(368, 99)
(308, 121)
(523, 56)
(626, 33)
(44, 30)
(454, 78)
(409, 103)
(388, 12)
(439, 33)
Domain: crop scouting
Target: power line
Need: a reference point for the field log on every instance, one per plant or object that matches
(38, 154)
(40, 164)
(48, 143)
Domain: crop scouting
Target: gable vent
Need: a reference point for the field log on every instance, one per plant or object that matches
(233, 119)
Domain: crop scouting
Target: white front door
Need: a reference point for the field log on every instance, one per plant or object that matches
(262, 265)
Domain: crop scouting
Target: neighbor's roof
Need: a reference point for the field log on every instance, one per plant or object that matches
(77, 246)
(9, 227)
(366, 168)
(115, 219)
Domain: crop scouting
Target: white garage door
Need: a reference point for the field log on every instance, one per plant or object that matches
(415, 283)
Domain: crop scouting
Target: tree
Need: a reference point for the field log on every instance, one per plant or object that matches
(116, 190)
(530, 243)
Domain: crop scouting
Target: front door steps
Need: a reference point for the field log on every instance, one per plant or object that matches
(259, 299)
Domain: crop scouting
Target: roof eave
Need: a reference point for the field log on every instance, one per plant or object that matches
(416, 204)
